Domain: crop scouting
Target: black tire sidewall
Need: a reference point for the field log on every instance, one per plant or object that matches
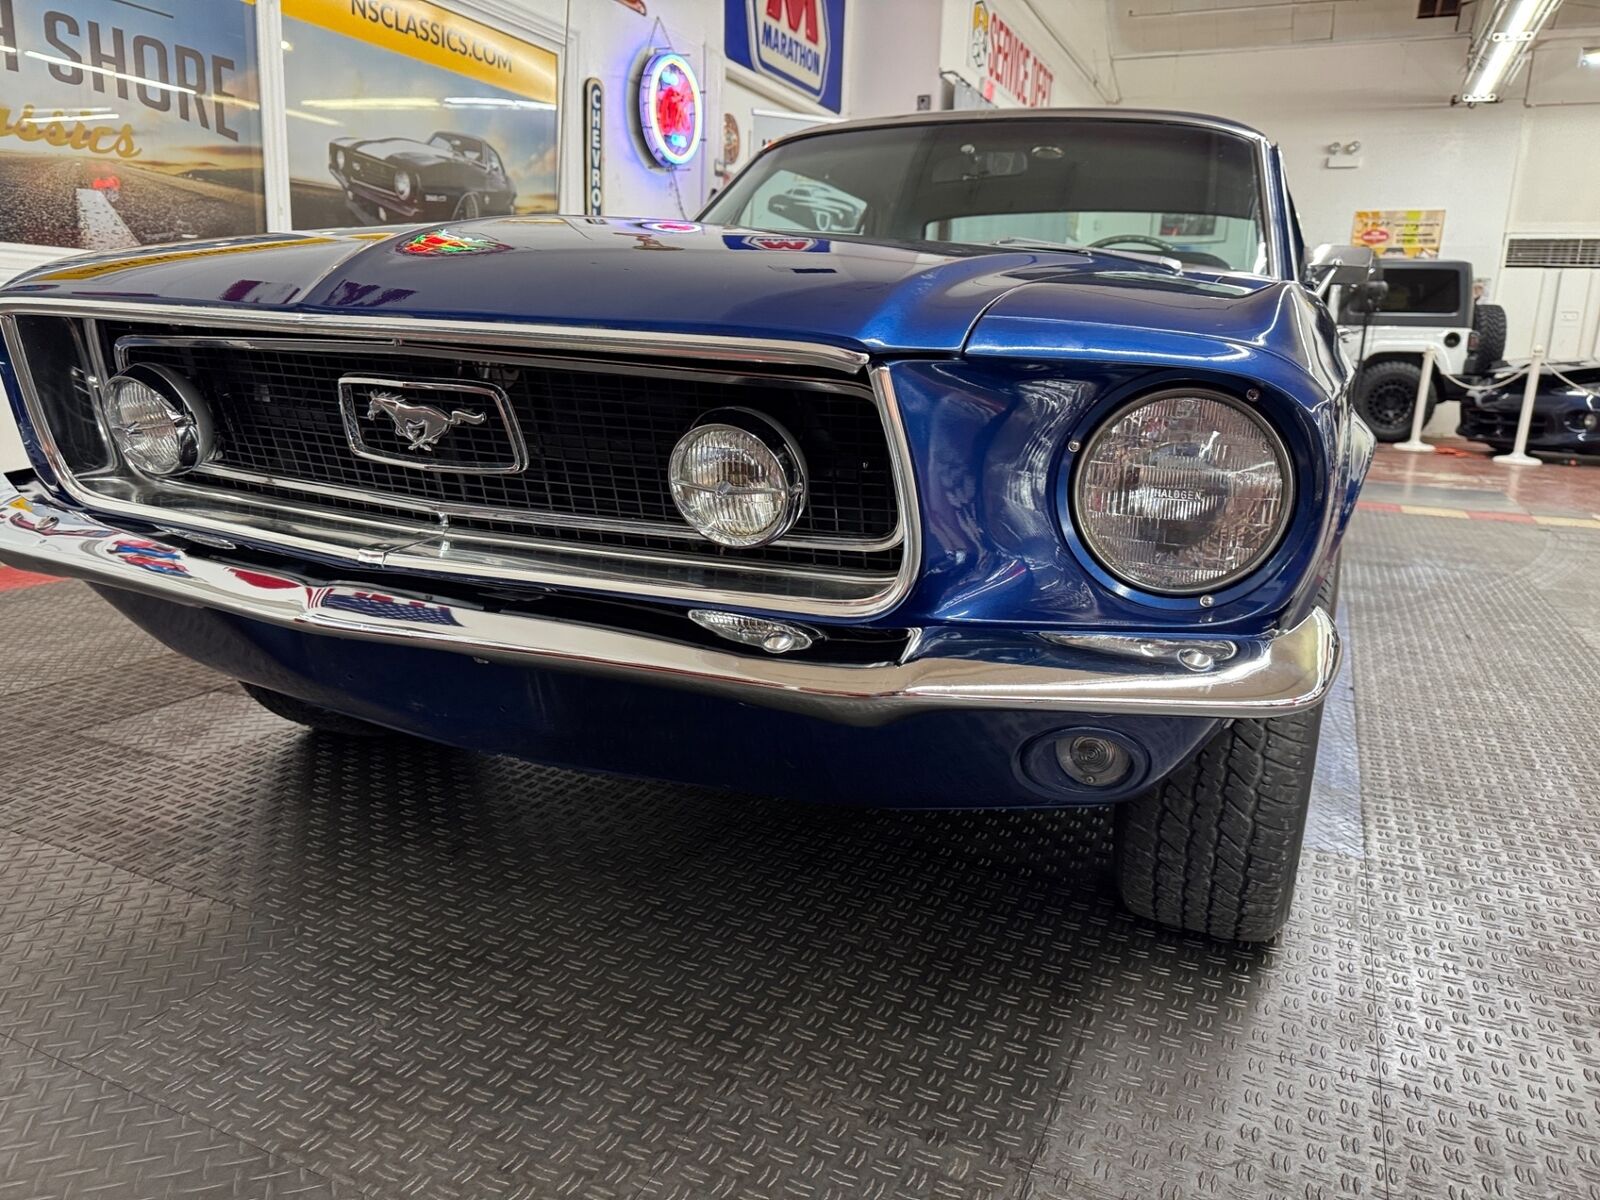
(1381, 381)
(1489, 323)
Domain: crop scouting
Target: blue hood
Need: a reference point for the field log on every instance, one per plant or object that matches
(674, 276)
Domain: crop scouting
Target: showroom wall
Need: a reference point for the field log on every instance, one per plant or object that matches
(1498, 171)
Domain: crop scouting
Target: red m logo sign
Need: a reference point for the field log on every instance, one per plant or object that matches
(794, 12)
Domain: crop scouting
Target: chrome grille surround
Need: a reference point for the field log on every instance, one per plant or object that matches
(640, 558)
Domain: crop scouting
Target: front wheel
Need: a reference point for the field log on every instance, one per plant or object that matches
(1386, 397)
(1215, 847)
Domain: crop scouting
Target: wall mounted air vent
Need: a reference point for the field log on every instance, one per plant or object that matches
(1553, 252)
(1437, 8)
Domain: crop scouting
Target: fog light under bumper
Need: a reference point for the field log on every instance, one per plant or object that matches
(1093, 761)
(158, 420)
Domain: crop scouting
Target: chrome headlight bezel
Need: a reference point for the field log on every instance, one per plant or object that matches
(758, 431)
(193, 429)
(1085, 534)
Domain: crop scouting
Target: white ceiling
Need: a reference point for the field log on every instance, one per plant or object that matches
(1141, 27)
(1413, 59)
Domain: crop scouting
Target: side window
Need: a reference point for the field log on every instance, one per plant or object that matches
(492, 160)
(1432, 291)
(791, 202)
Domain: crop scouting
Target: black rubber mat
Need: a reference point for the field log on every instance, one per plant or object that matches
(240, 960)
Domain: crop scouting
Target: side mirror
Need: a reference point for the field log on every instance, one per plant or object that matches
(1366, 298)
(1341, 265)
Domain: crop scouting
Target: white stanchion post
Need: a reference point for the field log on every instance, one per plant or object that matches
(1419, 412)
(1519, 456)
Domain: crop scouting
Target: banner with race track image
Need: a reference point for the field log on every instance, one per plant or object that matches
(123, 125)
(403, 112)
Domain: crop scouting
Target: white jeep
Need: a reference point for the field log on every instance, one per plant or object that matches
(1428, 303)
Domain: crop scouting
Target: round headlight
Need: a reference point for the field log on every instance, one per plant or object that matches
(738, 478)
(339, 158)
(404, 182)
(158, 420)
(1182, 492)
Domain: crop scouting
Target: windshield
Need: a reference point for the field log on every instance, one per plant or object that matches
(1181, 190)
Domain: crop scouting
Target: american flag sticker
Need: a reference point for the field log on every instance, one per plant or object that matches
(381, 607)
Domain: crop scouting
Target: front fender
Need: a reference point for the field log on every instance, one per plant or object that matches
(994, 433)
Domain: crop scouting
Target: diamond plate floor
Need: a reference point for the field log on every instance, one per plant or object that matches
(236, 960)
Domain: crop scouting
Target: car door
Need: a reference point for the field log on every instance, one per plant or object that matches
(501, 192)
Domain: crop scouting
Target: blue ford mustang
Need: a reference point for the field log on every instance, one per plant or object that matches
(1023, 485)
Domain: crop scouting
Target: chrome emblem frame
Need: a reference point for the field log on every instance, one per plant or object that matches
(423, 426)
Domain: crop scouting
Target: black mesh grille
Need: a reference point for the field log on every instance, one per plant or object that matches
(598, 440)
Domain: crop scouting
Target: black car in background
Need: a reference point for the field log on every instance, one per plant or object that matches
(1566, 411)
(451, 176)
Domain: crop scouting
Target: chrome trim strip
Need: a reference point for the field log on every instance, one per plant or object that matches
(519, 516)
(580, 339)
(534, 518)
(497, 545)
(835, 594)
(1265, 677)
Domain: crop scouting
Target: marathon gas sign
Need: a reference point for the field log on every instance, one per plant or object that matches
(799, 43)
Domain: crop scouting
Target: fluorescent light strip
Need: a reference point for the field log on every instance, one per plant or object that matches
(498, 102)
(305, 116)
(109, 73)
(70, 118)
(1510, 39)
(374, 104)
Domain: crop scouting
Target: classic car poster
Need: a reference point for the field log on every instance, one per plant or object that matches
(1400, 232)
(127, 124)
(401, 112)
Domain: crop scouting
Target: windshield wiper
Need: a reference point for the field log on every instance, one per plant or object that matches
(1016, 243)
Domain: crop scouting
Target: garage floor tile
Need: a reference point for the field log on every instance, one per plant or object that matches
(236, 959)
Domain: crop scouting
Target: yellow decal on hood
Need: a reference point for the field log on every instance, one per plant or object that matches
(97, 269)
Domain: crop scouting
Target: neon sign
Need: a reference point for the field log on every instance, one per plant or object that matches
(669, 109)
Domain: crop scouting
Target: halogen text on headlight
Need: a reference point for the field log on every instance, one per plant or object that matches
(158, 420)
(738, 478)
(1182, 492)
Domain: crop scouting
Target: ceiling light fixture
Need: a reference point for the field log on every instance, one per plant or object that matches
(1589, 56)
(1503, 49)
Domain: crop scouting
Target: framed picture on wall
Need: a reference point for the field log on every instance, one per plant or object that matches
(129, 124)
(386, 126)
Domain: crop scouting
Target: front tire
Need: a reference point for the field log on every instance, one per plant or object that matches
(1215, 847)
(1388, 396)
(313, 716)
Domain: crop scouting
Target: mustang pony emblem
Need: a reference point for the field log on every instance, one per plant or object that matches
(422, 425)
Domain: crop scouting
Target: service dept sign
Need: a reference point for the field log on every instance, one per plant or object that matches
(1005, 62)
(799, 43)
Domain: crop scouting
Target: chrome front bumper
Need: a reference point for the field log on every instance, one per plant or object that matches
(1245, 677)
